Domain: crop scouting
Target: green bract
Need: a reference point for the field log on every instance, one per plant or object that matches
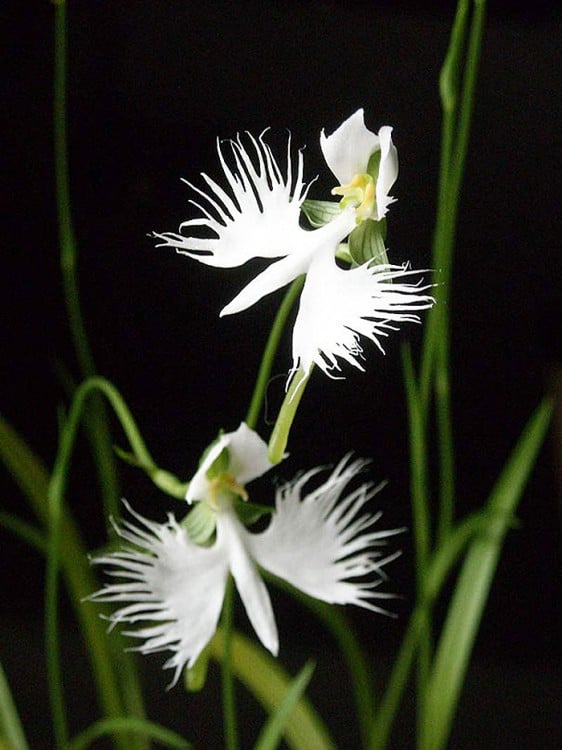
(366, 242)
(319, 213)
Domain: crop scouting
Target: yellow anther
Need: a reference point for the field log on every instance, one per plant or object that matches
(360, 192)
(224, 482)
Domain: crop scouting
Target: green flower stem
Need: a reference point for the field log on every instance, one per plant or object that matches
(270, 351)
(96, 424)
(447, 201)
(280, 434)
(445, 441)
(420, 513)
(228, 694)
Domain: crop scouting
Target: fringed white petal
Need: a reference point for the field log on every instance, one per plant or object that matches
(348, 149)
(169, 582)
(256, 216)
(339, 306)
(321, 542)
(248, 460)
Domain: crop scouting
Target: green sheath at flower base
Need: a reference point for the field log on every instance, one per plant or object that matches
(280, 434)
(366, 243)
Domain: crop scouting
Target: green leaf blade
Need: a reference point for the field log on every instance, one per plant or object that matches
(473, 586)
(272, 731)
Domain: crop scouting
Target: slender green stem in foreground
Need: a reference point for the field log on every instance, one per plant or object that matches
(445, 440)
(421, 516)
(270, 351)
(280, 434)
(474, 582)
(97, 426)
(228, 696)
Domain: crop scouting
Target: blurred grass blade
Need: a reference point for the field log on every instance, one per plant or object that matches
(23, 530)
(10, 726)
(473, 586)
(269, 683)
(130, 725)
(272, 731)
(25, 468)
(109, 661)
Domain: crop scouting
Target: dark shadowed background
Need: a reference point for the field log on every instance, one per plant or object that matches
(151, 86)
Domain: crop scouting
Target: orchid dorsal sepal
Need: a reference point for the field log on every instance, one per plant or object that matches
(319, 213)
(163, 479)
(367, 243)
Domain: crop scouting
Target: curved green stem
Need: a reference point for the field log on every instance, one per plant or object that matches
(270, 351)
(56, 489)
(96, 423)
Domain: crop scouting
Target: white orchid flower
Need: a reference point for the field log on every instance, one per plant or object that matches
(257, 216)
(319, 542)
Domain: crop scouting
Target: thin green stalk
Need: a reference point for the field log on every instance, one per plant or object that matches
(280, 433)
(445, 218)
(445, 440)
(270, 351)
(388, 707)
(98, 430)
(228, 694)
(421, 517)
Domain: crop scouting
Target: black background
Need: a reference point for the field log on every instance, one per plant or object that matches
(151, 86)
